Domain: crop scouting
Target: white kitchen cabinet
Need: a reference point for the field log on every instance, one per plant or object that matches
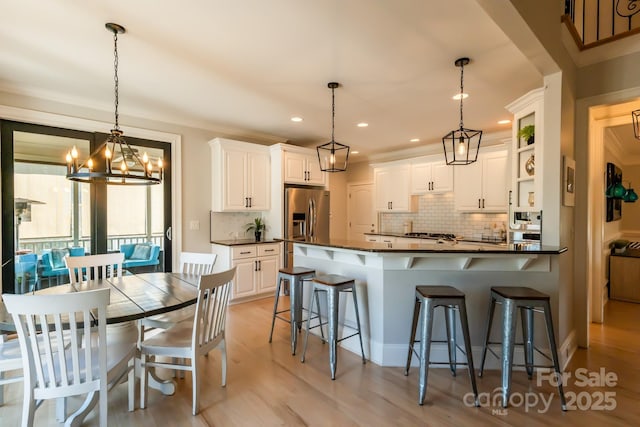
(393, 189)
(482, 186)
(431, 177)
(241, 176)
(256, 268)
(526, 168)
(371, 238)
(302, 167)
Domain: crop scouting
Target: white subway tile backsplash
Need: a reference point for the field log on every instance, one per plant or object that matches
(437, 214)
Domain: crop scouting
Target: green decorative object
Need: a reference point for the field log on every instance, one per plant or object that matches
(528, 133)
(257, 226)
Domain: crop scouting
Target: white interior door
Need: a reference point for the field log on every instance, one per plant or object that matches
(360, 210)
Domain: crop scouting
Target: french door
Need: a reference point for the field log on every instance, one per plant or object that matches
(44, 214)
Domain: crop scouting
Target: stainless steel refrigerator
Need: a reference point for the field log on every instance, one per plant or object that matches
(306, 216)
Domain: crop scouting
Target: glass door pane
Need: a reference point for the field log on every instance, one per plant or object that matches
(135, 219)
(52, 214)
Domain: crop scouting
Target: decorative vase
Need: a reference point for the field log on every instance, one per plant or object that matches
(258, 235)
(530, 165)
(531, 199)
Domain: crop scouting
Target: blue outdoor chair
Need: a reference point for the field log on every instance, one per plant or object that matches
(140, 255)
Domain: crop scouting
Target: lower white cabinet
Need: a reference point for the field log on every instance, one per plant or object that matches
(256, 268)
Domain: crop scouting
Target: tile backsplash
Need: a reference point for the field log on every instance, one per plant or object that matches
(436, 213)
(230, 225)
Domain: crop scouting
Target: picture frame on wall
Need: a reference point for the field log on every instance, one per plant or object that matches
(569, 181)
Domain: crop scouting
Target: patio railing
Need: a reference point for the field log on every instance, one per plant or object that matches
(36, 245)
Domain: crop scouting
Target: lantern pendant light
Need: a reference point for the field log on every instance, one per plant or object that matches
(461, 145)
(635, 116)
(333, 156)
(132, 169)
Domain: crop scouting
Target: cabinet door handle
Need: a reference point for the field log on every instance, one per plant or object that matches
(250, 202)
(246, 202)
(391, 205)
(478, 203)
(255, 265)
(245, 253)
(482, 203)
(269, 250)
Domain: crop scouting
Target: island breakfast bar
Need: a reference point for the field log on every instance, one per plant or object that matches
(386, 276)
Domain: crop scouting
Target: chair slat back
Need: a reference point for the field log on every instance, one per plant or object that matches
(55, 335)
(83, 269)
(197, 263)
(211, 310)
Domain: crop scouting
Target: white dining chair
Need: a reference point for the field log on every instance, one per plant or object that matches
(195, 263)
(192, 339)
(10, 360)
(83, 269)
(61, 359)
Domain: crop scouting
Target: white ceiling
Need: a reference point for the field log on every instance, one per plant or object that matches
(245, 67)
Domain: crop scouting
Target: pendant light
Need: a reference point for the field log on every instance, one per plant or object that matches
(635, 116)
(461, 145)
(630, 196)
(333, 156)
(114, 161)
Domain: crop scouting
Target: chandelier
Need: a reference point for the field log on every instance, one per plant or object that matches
(333, 156)
(116, 163)
(635, 116)
(461, 145)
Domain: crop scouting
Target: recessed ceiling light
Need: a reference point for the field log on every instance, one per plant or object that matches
(363, 125)
(296, 119)
(504, 122)
(415, 140)
(457, 96)
(355, 152)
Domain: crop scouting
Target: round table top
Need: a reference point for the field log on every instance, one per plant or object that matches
(132, 297)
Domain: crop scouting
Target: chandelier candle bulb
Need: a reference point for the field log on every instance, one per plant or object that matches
(68, 158)
(107, 156)
(90, 164)
(74, 157)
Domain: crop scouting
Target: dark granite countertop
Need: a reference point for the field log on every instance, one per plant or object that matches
(461, 239)
(445, 247)
(240, 242)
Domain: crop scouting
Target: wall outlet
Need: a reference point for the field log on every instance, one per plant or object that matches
(194, 225)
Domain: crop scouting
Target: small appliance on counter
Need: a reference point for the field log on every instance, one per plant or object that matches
(524, 227)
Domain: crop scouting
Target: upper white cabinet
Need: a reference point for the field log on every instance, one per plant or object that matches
(302, 167)
(241, 176)
(431, 176)
(392, 188)
(526, 172)
(482, 186)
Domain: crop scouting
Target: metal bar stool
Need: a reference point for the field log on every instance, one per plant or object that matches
(528, 300)
(295, 276)
(332, 285)
(451, 300)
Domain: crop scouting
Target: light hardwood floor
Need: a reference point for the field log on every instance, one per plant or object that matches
(266, 386)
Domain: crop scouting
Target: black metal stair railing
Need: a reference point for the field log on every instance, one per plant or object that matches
(594, 22)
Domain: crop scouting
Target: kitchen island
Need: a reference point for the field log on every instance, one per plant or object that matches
(386, 276)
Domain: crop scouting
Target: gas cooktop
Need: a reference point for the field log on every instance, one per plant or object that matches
(444, 236)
